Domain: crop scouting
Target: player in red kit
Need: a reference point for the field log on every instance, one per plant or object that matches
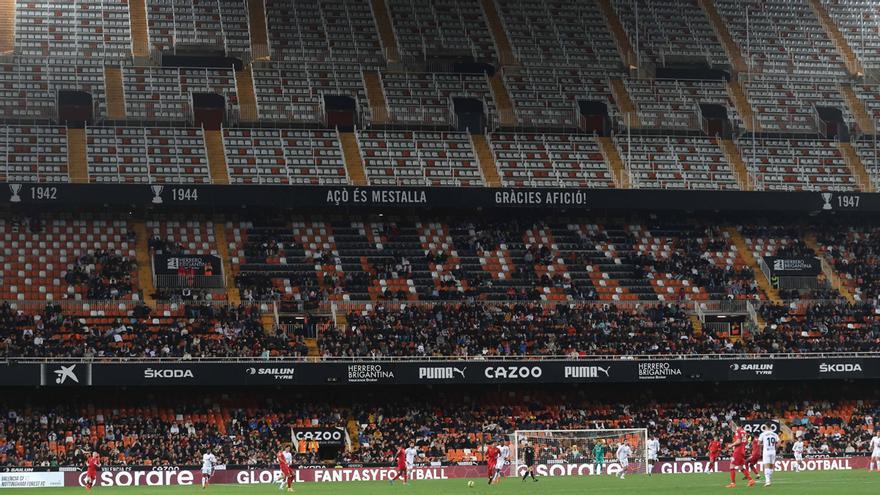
(284, 458)
(754, 458)
(714, 450)
(92, 470)
(740, 438)
(491, 460)
(401, 466)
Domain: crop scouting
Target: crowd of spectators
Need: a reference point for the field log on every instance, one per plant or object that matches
(203, 331)
(102, 275)
(482, 330)
(247, 429)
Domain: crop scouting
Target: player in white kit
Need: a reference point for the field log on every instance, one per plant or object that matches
(623, 453)
(875, 451)
(653, 451)
(411, 453)
(503, 456)
(798, 450)
(769, 440)
(208, 463)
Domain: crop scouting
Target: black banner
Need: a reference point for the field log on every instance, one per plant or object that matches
(334, 437)
(451, 372)
(461, 198)
(171, 264)
(793, 267)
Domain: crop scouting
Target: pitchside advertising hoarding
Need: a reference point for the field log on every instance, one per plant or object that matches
(188, 476)
(77, 374)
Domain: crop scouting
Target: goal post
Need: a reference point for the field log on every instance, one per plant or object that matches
(571, 452)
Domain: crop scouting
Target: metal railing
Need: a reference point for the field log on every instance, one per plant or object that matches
(475, 358)
(174, 281)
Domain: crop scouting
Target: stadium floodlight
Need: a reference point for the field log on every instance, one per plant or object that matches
(573, 452)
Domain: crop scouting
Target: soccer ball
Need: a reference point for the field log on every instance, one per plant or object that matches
(470, 484)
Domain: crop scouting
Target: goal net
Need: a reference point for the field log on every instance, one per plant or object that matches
(574, 452)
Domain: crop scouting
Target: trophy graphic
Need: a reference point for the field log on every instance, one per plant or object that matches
(157, 194)
(15, 188)
(826, 196)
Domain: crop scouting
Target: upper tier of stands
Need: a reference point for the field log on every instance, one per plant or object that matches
(858, 22)
(782, 37)
(85, 28)
(426, 28)
(215, 24)
(670, 31)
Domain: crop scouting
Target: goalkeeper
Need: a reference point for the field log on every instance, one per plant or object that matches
(598, 456)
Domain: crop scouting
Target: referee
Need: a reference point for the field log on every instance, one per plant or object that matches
(529, 461)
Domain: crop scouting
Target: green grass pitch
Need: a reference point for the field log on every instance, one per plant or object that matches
(829, 482)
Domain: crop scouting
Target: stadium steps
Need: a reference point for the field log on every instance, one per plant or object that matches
(386, 31)
(734, 158)
(376, 97)
(140, 37)
(353, 433)
(615, 164)
(312, 345)
(7, 26)
(222, 241)
(259, 31)
(145, 264)
(247, 97)
(115, 93)
(77, 158)
(624, 102)
(743, 107)
(865, 122)
(621, 39)
(730, 47)
(856, 167)
(698, 325)
(853, 66)
(486, 160)
(499, 34)
(749, 258)
(267, 320)
(354, 162)
(830, 273)
(503, 103)
(216, 156)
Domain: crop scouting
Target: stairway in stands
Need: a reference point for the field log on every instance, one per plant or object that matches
(503, 103)
(747, 256)
(834, 279)
(857, 108)
(258, 31)
(733, 52)
(386, 31)
(624, 102)
(486, 159)
(216, 156)
(222, 241)
(853, 66)
(140, 36)
(354, 162)
(7, 27)
(734, 158)
(115, 93)
(376, 97)
(144, 261)
(624, 47)
(499, 34)
(614, 162)
(77, 159)
(247, 97)
(743, 106)
(856, 167)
